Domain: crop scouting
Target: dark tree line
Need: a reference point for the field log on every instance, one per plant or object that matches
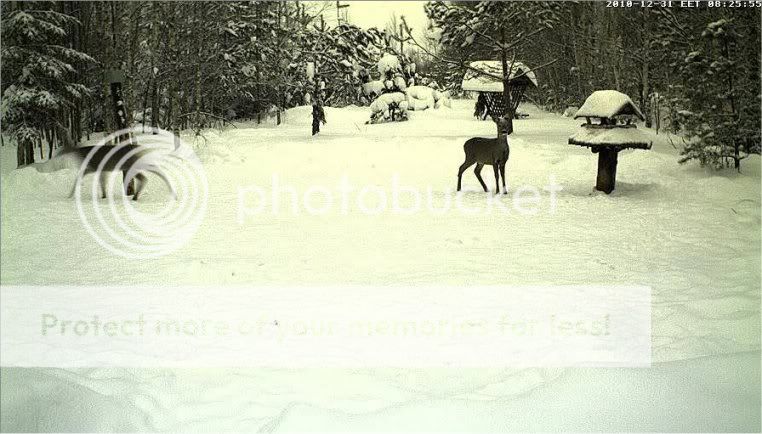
(187, 65)
(195, 65)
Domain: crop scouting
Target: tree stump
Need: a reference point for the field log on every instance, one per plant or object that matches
(607, 160)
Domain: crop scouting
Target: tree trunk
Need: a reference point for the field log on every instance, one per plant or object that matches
(508, 111)
(155, 107)
(25, 153)
(645, 70)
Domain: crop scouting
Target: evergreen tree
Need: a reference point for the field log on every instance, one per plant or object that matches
(722, 111)
(40, 84)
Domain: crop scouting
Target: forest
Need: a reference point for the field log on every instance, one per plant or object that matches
(198, 65)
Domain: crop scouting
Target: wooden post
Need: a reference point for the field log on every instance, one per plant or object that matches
(607, 160)
(115, 78)
(339, 7)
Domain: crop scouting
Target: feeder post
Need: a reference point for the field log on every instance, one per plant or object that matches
(115, 78)
(607, 160)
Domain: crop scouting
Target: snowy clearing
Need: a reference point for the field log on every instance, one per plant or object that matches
(692, 235)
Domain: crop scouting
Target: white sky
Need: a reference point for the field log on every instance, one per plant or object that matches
(378, 13)
(368, 13)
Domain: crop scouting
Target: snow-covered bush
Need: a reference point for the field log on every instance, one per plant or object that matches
(343, 56)
(424, 97)
(389, 107)
(570, 111)
(373, 89)
(400, 83)
(389, 63)
(389, 101)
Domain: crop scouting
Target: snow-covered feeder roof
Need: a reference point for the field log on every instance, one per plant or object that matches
(475, 82)
(619, 136)
(607, 104)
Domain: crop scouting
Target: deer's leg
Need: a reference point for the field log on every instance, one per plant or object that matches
(77, 182)
(478, 173)
(126, 183)
(129, 185)
(502, 175)
(140, 184)
(496, 167)
(466, 164)
(102, 180)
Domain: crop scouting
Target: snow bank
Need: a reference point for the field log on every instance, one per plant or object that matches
(55, 179)
(711, 394)
(55, 164)
(607, 104)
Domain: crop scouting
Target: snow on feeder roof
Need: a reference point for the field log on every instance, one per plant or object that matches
(608, 104)
(472, 81)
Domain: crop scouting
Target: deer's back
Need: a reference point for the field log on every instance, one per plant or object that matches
(107, 153)
(486, 150)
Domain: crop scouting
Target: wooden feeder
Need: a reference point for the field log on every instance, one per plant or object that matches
(492, 89)
(612, 133)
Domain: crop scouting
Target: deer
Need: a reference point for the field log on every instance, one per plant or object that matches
(492, 152)
(132, 160)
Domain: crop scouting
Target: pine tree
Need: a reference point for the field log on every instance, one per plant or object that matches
(722, 112)
(40, 85)
(488, 30)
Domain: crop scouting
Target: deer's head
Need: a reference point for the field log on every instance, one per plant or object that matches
(503, 125)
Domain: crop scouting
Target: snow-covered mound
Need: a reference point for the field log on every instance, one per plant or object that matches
(383, 106)
(424, 97)
(61, 162)
(388, 62)
(570, 111)
(373, 88)
(399, 82)
(607, 104)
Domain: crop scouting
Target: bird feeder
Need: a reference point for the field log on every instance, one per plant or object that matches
(115, 79)
(490, 89)
(609, 129)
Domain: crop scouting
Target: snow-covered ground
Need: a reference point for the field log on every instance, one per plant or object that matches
(692, 235)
